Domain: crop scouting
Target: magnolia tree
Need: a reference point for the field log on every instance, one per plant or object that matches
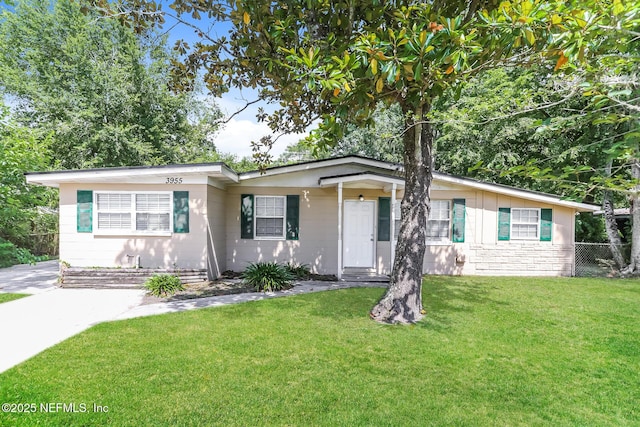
(333, 61)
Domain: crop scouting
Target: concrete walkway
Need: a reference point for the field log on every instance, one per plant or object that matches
(52, 314)
(299, 288)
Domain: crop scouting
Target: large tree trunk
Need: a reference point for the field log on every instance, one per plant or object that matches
(610, 225)
(634, 263)
(403, 301)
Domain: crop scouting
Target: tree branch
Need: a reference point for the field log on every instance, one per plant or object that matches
(626, 104)
(493, 119)
(247, 105)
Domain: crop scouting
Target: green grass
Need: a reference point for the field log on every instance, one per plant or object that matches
(11, 297)
(491, 351)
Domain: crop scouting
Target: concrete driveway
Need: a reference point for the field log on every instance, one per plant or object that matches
(51, 314)
(29, 279)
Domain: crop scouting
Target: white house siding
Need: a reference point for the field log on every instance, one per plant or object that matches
(485, 255)
(318, 234)
(383, 258)
(216, 232)
(181, 250)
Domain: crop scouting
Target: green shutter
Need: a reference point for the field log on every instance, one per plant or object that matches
(384, 219)
(546, 224)
(458, 220)
(504, 223)
(180, 211)
(246, 216)
(293, 217)
(85, 211)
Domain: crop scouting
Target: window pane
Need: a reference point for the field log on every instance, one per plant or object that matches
(528, 216)
(269, 206)
(113, 202)
(439, 210)
(524, 231)
(437, 230)
(152, 222)
(269, 227)
(112, 221)
(532, 216)
(153, 203)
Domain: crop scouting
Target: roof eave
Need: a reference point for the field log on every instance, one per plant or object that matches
(515, 192)
(54, 179)
(304, 166)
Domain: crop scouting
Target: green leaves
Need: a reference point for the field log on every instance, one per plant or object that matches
(98, 88)
(22, 149)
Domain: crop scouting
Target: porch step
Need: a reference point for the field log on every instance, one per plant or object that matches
(123, 278)
(364, 276)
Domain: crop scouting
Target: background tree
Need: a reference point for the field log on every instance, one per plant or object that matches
(22, 149)
(379, 138)
(83, 90)
(98, 88)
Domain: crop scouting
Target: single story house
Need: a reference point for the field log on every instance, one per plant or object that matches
(337, 216)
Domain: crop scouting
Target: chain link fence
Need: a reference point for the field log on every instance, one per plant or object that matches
(596, 259)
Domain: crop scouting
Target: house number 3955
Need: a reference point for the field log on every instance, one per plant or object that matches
(173, 180)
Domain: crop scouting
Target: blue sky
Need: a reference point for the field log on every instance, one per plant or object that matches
(238, 133)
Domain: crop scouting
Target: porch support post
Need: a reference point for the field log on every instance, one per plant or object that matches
(339, 231)
(392, 230)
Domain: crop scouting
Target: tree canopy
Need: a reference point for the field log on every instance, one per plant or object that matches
(79, 89)
(97, 88)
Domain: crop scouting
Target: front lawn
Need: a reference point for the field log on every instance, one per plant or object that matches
(11, 297)
(492, 351)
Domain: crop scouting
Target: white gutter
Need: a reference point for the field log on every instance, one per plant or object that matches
(54, 179)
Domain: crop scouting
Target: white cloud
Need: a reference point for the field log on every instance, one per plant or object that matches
(237, 134)
(236, 137)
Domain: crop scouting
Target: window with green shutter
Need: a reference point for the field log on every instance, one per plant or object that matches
(384, 219)
(458, 220)
(293, 217)
(270, 217)
(525, 224)
(180, 211)
(546, 225)
(246, 216)
(504, 223)
(85, 211)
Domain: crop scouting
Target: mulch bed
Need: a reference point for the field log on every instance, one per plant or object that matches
(229, 283)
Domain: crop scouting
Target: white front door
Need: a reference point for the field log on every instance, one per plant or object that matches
(358, 233)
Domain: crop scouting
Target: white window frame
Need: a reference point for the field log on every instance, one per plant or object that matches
(255, 217)
(398, 220)
(444, 241)
(513, 223)
(133, 212)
